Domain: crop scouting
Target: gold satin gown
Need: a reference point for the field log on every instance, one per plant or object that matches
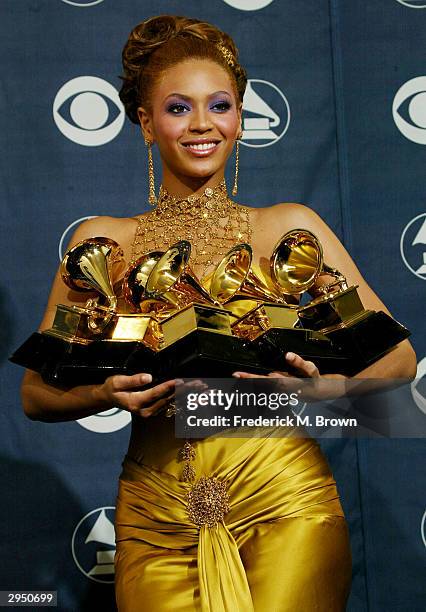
(279, 542)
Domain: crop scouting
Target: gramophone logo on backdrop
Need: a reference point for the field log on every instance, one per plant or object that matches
(82, 109)
(266, 114)
(409, 109)
(418, 386)
(248, 5)
(417, 4)
(82, 3)
(413, 246)
(93, 545)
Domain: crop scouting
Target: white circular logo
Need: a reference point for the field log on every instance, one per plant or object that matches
(88, 102)
(106, 422)
(413, 246)
(266, 114)
(420, 379)
(423, 528)
(64, 236)
(413, 3)
(81, 3)
(248, 5)
(93, 545)
(409, 110)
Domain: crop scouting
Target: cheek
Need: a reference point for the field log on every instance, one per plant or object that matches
(228, 124)
(168, 127)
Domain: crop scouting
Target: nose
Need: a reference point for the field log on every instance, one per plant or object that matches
(200, 120)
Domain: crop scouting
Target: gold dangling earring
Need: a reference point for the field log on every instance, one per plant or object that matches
(152, 199)
(237, 162)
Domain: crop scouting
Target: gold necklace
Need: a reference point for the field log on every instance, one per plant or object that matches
(211, 222)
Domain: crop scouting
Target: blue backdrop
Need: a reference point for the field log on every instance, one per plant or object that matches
(338, 89)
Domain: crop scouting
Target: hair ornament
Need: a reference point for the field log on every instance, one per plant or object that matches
(230, 60)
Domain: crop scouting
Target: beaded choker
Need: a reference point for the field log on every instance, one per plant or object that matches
(211, 222)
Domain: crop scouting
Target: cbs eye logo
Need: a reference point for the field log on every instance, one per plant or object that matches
(409, 110)
(82, 3)
(83, 108)
(416, 4)
(248, 5)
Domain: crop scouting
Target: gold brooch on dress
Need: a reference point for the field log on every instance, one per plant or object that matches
(208, 501)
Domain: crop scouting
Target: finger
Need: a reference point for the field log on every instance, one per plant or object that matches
(247, 375)
(157, 407)
(159, 391)
(120, 382)
(308, 368)
(135, 400)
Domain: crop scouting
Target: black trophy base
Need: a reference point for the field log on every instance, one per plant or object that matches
(369, 339)
(201, 353)
(64, 363)
(310, 345)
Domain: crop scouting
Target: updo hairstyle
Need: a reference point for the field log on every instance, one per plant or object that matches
(164, 41)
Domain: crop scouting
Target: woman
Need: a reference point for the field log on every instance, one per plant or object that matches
(274, 536)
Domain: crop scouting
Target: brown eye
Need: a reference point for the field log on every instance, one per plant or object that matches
(177, 109)
(221, 107)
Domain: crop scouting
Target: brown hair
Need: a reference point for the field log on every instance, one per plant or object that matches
(164, 41)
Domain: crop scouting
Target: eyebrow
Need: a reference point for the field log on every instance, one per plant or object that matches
(179, 95)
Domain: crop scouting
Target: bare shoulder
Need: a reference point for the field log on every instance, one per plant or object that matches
(117, 228)
(291, 210)
(285, 216)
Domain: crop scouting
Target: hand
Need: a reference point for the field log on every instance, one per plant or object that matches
(304, 378)
(128, 393)
(302, 368)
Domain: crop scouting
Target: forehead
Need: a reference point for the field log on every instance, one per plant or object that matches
(191, 77)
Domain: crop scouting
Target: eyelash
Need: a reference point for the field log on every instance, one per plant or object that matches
(171, 109)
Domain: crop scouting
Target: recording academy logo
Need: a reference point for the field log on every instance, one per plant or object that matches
(82, 3)
(248, 5)
(266, 114)
(409, 109)
(82, 108)
(413, 246)
(416, 4)
(418, 386)
(93, 545)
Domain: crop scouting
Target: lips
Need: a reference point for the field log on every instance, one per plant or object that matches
(201, 148)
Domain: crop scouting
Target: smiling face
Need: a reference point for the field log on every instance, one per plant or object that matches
(195, 119)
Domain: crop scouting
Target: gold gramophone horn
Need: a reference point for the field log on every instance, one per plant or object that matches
(135, 279)
(233, 279)
(86, 267)
(297, 261)
(172, 279)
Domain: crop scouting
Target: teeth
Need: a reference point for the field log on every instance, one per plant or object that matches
(202, 147)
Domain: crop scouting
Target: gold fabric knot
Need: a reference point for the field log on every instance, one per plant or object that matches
(208, 501)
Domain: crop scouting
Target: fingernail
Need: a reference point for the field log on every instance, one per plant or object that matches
(146, 378)
(290, 356)
(236, 374)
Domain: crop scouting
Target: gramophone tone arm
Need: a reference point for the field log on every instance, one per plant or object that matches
(339, 283)
(102, 315)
